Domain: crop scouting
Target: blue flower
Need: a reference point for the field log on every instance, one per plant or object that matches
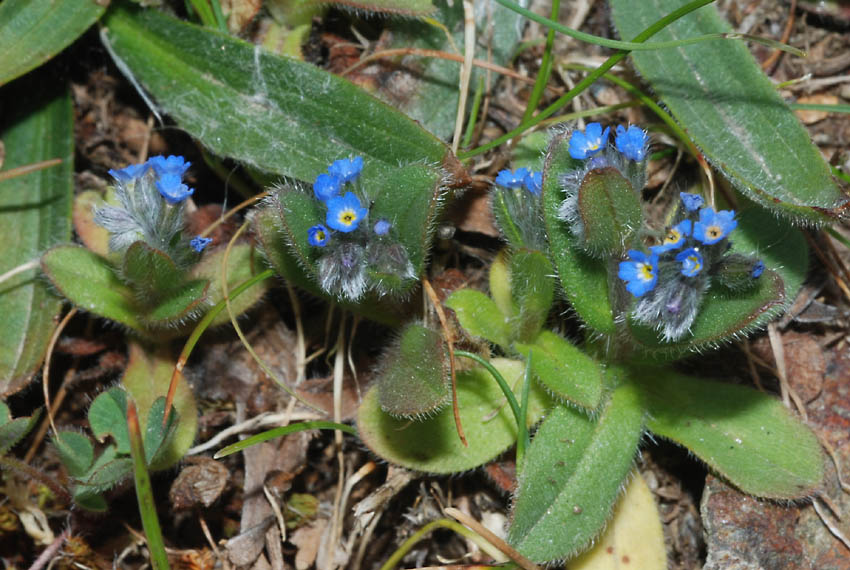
(382, 227)
(172, 189)
(640, 273)
(326, 187)
(758, 269)
(318, 235)
(129, 173)
(512, 178)
(691, 260)
(633, 142)
(175, 165)
(533, 182)
(584, 144)
(198, 243)
(347, 169)
(345, 212)
(714, 226)
(692, 202)
(675, 237)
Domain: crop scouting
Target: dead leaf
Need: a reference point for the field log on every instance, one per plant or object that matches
(199, 484)
(307, 539)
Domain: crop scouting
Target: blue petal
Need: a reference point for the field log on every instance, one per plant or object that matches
(326, 187)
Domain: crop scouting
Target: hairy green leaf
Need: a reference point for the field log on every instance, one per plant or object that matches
(583, 278)
(33, 31)
(533, 291)
(747, 436)
(572, 474)
(108, 416)
(564, 370)
(417, 8)
(413, 378)
(277, 114)
(732, 111)
(36, 124)
(479, 316)
(90, 283)
(13, 431)
(76, 452)
(433, 445)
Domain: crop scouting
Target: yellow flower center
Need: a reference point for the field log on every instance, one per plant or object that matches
(673, 236)
(714, 232)
(347, 217)
(645, 272)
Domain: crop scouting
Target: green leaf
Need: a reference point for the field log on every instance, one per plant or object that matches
(89, 500)
(150, 273)
(280, 432)
(564, 370)
(747, 436)
(413, 377)
(146, 378)
(33, 31)
(179, 304)
(426, 88)
(609, 210)
(479, 316)
(36, 124)
(244, 262)
(573, 472)
(533, 291)
(76, 452)
(106, 474)
(15, 430)
(727, 314)
(5, 414)
(733, 112)
(277, 114)
(416, 8)
(89, 282)
(433, 445)
(583, 278)
(157, 438)
(108, 416)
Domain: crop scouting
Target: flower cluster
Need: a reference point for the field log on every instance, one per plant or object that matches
(354, 254)
(671, 280)
(151, 197)
(520, 218)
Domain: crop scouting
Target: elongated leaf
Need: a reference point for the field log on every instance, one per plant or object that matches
(416, 8)
(584, 279)
(280, 115)
(728, 314)
(413, 378)
(89, 282)
(479, 316)
(564, 370)
(533, 291)
(433, 445)
(732, 111)
(36, 124)
(33, 31)
(747, 436)
(633, 539)
(15, 430)
(427, 88)
(573, 472)
(147, 378)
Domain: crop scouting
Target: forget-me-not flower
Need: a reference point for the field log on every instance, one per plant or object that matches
(640, 273)
(198, 243)
(692, 202)
(129, 173)
(345, 212)
(675, 237)
(326, 187)
(586, 143)
(758, 269)
(533, 182)
(691, 261)
(163, 166)
(346, 169)
(512, 178)
(714, 226)
(171, 188)
(382, 227)
(318, 235)
(632, 142)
